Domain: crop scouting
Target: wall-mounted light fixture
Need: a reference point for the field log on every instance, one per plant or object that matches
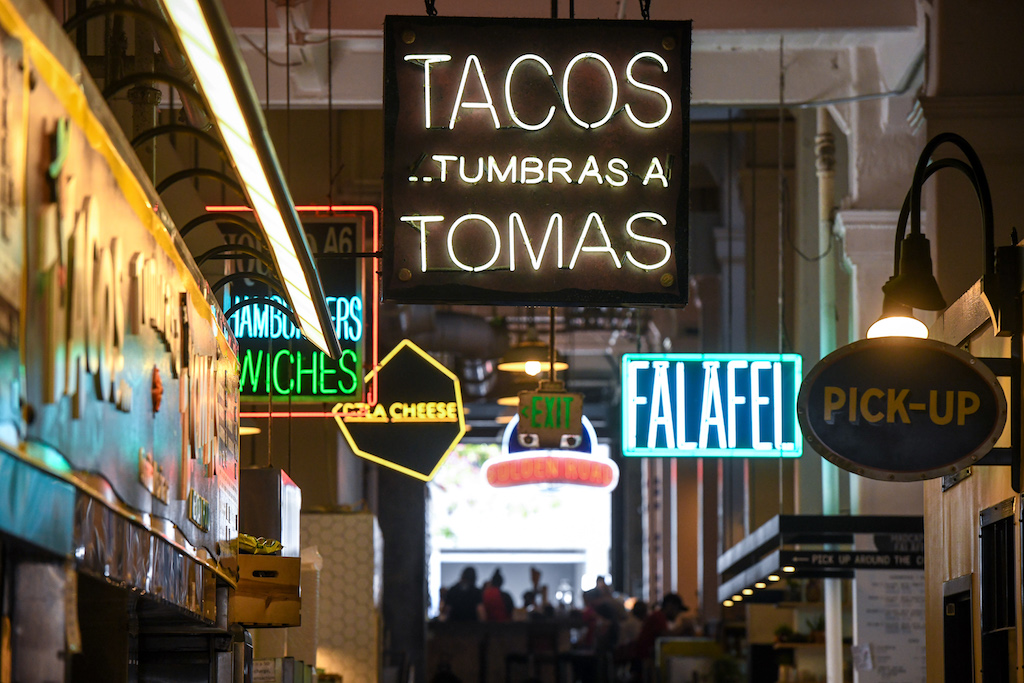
(913, 284)
(209, 44)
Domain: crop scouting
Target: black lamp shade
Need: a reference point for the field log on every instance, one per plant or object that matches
(915, 286)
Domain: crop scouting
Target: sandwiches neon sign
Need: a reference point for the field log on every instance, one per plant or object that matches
(274, 358)
(704, 405)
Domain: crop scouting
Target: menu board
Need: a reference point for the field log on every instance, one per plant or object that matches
(889, 626)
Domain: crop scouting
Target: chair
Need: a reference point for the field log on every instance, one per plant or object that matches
(541, 650)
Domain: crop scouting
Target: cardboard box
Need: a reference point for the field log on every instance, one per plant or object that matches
(278, 670)
(267, 593)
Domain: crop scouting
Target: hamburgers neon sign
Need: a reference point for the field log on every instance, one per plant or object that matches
(536, 161)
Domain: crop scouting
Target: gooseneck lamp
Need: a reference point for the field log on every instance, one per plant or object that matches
(913, 285)
(912, 278)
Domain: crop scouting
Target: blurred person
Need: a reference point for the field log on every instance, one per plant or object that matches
(497, 603)
(661, 622)
(464, 601)
(630, 626)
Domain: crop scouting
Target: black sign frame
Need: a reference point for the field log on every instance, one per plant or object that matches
(872, 447)
(498, 42)
(418, 417)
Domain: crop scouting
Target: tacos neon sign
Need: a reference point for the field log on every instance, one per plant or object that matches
(576, 144)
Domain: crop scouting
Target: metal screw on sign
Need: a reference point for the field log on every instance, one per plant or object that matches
(432, 12)
(645, 9)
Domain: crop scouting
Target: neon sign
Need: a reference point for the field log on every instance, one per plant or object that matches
(551, 469)
(274, 358)
(700, 405)
(417, 420)
(536, 162)
(519, 466)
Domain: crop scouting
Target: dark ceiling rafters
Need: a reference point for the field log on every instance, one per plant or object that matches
(186, 88)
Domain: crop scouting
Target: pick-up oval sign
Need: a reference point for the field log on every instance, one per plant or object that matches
(901, 409)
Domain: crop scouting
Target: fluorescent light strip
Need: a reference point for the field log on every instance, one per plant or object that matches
(190, 23)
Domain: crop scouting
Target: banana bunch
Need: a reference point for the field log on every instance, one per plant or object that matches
(257, 545)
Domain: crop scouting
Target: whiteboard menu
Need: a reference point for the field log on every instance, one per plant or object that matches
(888, 628)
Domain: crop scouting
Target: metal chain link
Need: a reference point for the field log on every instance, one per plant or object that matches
(432, 11)
(645, 9)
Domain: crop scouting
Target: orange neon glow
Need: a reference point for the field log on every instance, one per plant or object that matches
(551, 469)
(371, 387)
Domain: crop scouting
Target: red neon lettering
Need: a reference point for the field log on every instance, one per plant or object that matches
(549, 469)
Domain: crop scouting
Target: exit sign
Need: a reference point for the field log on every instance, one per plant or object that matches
(550, 417)
(707, 405)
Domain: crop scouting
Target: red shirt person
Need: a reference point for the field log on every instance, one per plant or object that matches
(497, 603)
(657, 624)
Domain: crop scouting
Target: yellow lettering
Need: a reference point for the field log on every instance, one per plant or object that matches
(834, 400)
(933, 408)
(895, 406)
(865, 410)
(967, 404)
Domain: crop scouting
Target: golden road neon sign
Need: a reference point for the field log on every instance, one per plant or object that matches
(578, 151)
(578, 466)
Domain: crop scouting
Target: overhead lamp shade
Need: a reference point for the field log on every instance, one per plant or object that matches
(915, 286)
(897, 320)
(531, 357)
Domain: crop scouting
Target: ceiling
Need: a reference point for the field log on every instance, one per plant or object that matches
(735, 53)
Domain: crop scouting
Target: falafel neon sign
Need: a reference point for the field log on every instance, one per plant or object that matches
(536, 161)
(706, 405)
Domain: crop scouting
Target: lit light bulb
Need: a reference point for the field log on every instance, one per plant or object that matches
(747, 591)
(760, 584)
(532, 368)
(773, 577)
(789, 570)
(898, 326)
(727, 603)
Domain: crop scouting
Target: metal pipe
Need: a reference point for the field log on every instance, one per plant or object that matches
(825, 161)
(174, 62)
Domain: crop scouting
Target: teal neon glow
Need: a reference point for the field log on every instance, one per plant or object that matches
(260, 321)
(711, 405)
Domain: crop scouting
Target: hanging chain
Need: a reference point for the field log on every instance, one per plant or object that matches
(432, 11)
(645, 9)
